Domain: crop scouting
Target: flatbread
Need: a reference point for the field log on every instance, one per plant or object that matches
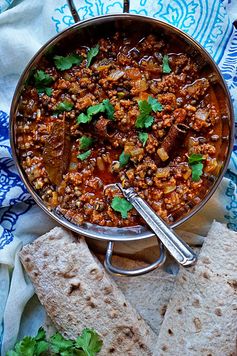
(149, 294)
(201, 318)
(77, 293)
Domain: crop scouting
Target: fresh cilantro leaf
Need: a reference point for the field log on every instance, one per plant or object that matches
(155, 105)
(48, 91)
(143, 137)
(105, 106)
(195, 162)
(58, 343)
(124, 158)
(42, 79)
(41, 334)
(89, 342)
(83, 119)
(85, 142)
(84, 155)
(40, 347)
(95, 109)
(197, 170)
(144, 107)
(109, 109)
(122, 206)
(64, 106)
(12, 353)
(26, 347)
(144, 121)
(91, 54)
(166, 68)
(195, 157)
(64, 63)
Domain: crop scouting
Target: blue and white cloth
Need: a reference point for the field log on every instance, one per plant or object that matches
(25, 25)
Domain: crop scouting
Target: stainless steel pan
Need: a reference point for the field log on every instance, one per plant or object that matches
(86, 32)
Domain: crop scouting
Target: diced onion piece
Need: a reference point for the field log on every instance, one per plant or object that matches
(115, 75)
(100, 164)
(202, 114)
(137, 152)
(103, 64)
(187, 174)
(140, 85)
(162, 172)
(169, 189)
(212, 166)
(133, 73)
(162, 154)
(54, 200)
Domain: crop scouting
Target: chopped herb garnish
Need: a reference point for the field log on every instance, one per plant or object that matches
(84, 155)
(48, 91)
(195, 162)
(64, 106)
(91, 54)
(83, 119)
(95, 109)
(155, 105)
(124, 159)
(105, 106)
(165, 66)
(195, 157)
(145, 120)
(42, 80)
(88, 344)
(122, 206)
(64, 63)
(109, 109)
(59, 344)
(143, 137)
(85, 142)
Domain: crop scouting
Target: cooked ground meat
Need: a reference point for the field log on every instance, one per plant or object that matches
(156, 110)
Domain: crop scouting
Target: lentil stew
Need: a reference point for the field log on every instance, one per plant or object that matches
(133, 110)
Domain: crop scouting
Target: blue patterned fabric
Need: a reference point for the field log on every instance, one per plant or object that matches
(4, 5)
(208, 21)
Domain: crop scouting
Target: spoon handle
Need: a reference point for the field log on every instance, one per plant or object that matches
(176, 247)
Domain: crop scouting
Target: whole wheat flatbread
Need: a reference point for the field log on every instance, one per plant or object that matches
(201, 318)
(149, 294)
(77, 293)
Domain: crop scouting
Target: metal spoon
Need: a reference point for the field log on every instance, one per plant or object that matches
(181, 252)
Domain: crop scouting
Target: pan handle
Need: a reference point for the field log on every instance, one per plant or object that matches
(131, 273)
(76, 16)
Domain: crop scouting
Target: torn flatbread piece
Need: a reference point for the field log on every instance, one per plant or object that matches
(77, 293)
(201, 318)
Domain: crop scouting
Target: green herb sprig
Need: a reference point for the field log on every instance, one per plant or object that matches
(196, 165)
(64, 106)
(143, 137)
(165, 65)
(42, 82)
(124, 159)
(104, 106)
(91, 54)
(146, 107)
(63, 63)
(88, 344)
(122, 206)
(85, 155)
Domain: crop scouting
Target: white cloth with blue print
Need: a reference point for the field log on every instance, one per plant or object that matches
(24, 27)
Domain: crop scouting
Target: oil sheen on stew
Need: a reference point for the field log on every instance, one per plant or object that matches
(139, 112)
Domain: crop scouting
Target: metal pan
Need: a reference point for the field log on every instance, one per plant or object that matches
(87, 32)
